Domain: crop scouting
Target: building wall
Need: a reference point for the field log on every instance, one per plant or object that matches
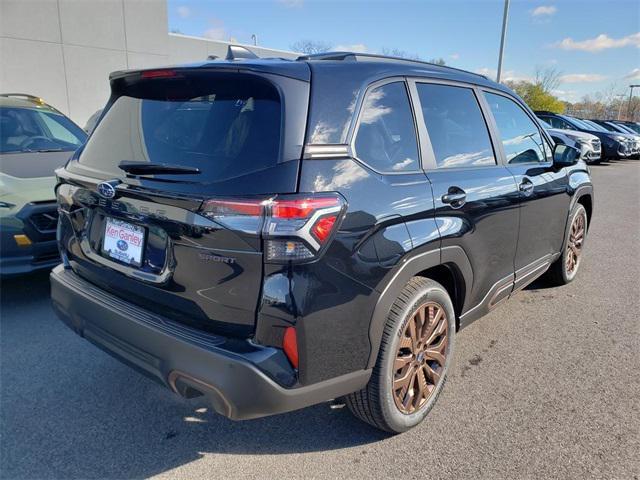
(64, 50)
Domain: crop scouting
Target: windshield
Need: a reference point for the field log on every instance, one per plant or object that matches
(622, 128)
(595, 126)
(633, 127)
(224, 126)
(579, 123)
(609, 127)
(33, 130)
(544, 123)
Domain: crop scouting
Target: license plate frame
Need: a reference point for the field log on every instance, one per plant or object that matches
(123, 241)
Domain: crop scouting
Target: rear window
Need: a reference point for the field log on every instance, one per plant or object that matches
(224, 125)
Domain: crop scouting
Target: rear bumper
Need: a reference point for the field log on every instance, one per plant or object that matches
(239, 384)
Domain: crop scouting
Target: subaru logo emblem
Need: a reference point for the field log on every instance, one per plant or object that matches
(107, 189)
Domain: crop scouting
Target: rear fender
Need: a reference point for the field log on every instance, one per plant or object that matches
(410, 266)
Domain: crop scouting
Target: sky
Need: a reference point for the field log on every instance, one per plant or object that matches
(595, 45)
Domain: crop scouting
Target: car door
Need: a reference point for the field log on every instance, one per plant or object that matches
(543, 188)
(476, 197)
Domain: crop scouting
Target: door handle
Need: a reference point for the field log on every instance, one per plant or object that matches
(526, 186)
(455, 197)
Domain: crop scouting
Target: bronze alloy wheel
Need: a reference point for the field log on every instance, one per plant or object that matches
(420, 358)
(575, 242)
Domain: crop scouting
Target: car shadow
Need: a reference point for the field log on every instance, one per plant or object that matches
(540, 283)
(71, 411)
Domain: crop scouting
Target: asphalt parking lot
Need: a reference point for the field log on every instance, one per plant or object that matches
(546, 386)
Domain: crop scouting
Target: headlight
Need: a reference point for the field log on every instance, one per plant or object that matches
(620, 138)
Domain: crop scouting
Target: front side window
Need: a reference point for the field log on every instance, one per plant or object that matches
(386, 137)
(521, 138)
(456, 127)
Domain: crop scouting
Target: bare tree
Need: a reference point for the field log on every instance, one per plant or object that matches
(548, 78)
(606, 105)
(396, 52)
(310, 47)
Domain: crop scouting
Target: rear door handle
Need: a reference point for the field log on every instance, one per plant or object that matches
(526, 186)
(456, 197)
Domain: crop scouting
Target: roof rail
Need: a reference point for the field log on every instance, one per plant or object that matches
(353, 56)
(32, 98)
(236, 52)
(22, 95)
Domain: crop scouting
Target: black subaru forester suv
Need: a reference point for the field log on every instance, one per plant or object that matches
(272, 234)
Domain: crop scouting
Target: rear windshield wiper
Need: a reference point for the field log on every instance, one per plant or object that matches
(147, 168)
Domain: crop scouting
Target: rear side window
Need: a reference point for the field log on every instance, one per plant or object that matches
(386, 137)
(456, 127)
(521, 138)
(224, 125)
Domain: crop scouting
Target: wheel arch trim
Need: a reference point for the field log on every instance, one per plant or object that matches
(410, 267)
(579, 193)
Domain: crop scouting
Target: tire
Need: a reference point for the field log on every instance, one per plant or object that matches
(560, 272)
(378, 403)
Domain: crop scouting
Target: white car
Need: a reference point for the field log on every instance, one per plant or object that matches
(589, 145)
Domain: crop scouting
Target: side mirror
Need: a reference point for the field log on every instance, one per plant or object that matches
(565, 155)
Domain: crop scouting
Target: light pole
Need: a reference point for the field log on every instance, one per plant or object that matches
(254, 37)
(505, 17)
(629, 105)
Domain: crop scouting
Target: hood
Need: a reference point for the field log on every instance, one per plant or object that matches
(18, 191)
(587, 137)
(32, 164)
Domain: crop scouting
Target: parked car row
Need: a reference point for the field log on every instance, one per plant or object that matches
(597, 139)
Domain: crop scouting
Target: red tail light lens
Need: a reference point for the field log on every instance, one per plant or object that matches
(290, 345)
(298, 227)
(323, 227)
(234, 207)
(301, 208)
(295, 227)
(245, 215)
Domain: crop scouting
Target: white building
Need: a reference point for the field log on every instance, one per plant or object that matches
(64, 50)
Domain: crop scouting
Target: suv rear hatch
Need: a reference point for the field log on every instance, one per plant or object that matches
(155, 206)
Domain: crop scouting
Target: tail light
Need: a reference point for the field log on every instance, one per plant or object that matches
(294, 227)
(160, 73)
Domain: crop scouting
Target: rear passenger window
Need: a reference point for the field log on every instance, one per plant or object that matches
(456, 127)
(386, 137)
(521, 138)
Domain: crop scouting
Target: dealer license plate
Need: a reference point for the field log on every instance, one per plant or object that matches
(123, 241)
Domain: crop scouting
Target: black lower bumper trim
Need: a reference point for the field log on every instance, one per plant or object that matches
(187, 361)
